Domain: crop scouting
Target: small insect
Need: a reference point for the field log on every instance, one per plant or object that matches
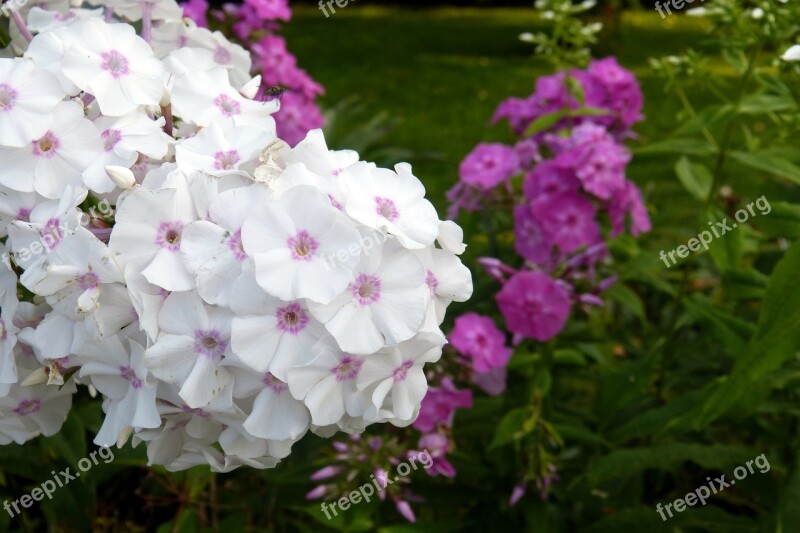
(270, 93)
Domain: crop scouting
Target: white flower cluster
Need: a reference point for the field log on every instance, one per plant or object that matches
(223, 292)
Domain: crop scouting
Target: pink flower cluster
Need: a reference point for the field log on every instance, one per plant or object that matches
(573, 175)
(603, 85)
(255, 24)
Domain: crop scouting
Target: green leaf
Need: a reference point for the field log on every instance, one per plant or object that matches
(633, 461)
(682, 146)
(545, 122)
(629, 300)
(782, 221)
(769, 162)
(789, 511)
(653, 420)
(776, 340)
(726, 327)
(745, 284)
(758, 104)
(695, 177)
(511, 427)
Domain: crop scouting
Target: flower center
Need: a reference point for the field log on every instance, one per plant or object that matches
(431, 282)
(7, 97)
(226, 160)
(129, 375)
(401, 371)
(235, 246)
(46, 146)
(51, 233)
(386, 208)
(88, 281)
(303, 246)
(366, 289)
(222, 56)
(26, 407)
(169, 235)
(110, 139)
(347, 368)
(292, 318)
(209, 343)
(275, 384)
(115, 63)
(24, 214)
(227, 105)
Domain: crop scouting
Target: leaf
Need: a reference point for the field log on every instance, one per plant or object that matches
(776, 340)
(510, 427)
(653, 420)
(758, 104)
(682, 146)
(769, 162)
(633, 461)
(708, 117)
(695, 177)
(745, 284)
(626, 297)
(726, 327)
(783, 220)
(545, 122)
(578, 434)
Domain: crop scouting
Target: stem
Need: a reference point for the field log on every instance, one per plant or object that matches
(23, 28)
(689, 109)
(147, 21)
(726, 137)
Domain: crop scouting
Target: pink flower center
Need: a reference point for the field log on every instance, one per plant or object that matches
(386, 208)
(303, 246)
(222, 56)
(227, 105)
(129, 375)
(110, 139)
(114, 63)
(51, 233)
(26, 407)
(292, 318)
(401, 371)
(7, 97)
(226, 160)
(24, 214)
(235, 246)
(46, 146)
(347, 368)
(63, 17)
(277, 386)
(366, 289)
(209, 343)
(88, 281)
(431, 282)
(169, 235)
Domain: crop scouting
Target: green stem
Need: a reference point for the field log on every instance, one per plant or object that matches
(726, 137)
